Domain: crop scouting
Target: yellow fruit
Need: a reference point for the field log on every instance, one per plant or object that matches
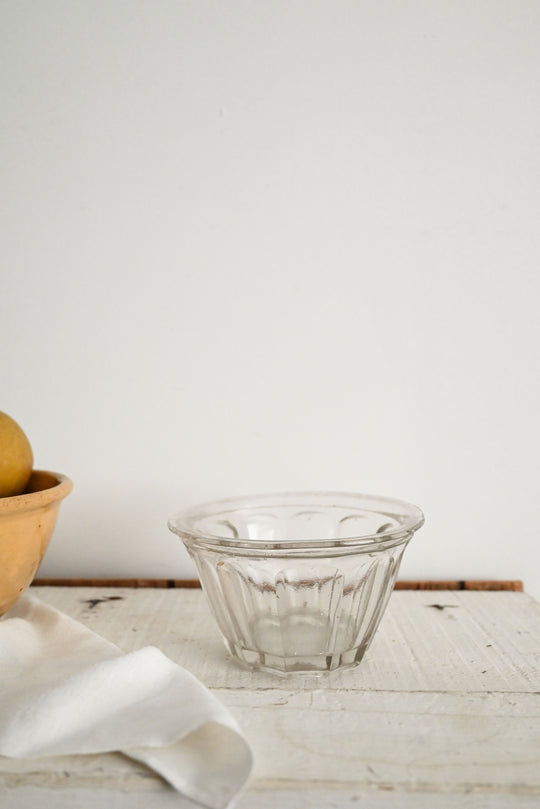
(16, 458)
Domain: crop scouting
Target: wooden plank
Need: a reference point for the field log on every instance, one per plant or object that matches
(429, 585)
(442, 713)
(437, 744)
(331, 796)
(446, 742)
(103, 582)
(446, 641)
(491, 585)
(514, 585)
(262, 795)
(422, 743)
(92, 796)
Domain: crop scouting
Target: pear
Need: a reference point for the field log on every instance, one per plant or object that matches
(16, 457)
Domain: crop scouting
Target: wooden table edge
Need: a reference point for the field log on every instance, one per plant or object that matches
(514, 585)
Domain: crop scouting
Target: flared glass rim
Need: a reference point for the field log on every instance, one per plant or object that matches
(408, 516)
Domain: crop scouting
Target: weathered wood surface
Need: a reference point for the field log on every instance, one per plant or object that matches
(444, 711)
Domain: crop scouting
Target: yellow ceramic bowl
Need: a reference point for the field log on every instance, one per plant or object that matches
(26, 525)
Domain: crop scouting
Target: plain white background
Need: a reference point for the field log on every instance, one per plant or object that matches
(252, 246)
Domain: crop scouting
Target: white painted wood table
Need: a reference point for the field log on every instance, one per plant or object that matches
(444, 711)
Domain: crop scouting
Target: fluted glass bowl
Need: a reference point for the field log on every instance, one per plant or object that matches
(298, 581)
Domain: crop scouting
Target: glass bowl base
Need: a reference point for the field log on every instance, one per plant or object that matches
(296, 664)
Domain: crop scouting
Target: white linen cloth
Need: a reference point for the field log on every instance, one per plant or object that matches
(65, 690)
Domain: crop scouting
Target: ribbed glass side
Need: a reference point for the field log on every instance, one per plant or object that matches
(298, 615)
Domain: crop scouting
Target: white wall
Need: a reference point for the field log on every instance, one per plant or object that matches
(255, 246)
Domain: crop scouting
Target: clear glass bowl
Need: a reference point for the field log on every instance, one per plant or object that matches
(298, 581)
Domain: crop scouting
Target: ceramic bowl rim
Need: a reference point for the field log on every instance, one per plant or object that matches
(59, 487)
